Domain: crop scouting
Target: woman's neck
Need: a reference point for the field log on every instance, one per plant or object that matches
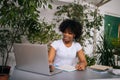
(67, 43)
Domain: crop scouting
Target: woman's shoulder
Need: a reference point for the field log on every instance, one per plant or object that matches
(57, 42)
(77, 45)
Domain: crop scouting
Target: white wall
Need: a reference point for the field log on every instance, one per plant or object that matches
(111, 8)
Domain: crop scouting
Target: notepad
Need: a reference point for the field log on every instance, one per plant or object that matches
(100, 67)
(67, 68)
(115, 71)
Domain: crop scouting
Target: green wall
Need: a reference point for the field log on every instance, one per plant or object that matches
(111, 25)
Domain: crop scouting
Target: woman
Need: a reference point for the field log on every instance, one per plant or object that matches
(64, 51)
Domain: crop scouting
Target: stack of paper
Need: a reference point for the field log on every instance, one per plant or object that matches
(116, 71)
(100, 67)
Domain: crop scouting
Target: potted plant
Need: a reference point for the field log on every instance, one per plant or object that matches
(5, 48)
(90, 60)
(107, 48)
(105, 51)
(18, 18)
(116, 44)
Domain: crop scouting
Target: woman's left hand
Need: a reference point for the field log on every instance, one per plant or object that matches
(80, 66)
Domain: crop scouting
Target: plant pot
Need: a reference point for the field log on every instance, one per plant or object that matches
(5, 69)
(4, 72)
(4, 77)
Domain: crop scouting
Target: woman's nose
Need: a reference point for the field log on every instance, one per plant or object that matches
(66, 34)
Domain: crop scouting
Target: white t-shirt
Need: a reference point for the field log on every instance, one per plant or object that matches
(65, 55)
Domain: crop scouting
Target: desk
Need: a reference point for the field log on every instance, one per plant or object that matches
(74, 75)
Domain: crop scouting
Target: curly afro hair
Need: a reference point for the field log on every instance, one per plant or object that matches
(73, 25)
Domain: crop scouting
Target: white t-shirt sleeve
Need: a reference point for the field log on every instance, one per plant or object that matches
(78, 47)
(55, 44)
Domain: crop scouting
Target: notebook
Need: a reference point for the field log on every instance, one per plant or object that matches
(67, 68)
(100, 67)
(33, 58)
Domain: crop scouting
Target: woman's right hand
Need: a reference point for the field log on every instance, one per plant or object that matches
(52, 68)
(80, 66)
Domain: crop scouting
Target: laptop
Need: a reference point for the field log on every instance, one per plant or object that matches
(33, 58)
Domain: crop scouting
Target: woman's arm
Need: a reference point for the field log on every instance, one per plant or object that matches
(82, 61)
(51, 56)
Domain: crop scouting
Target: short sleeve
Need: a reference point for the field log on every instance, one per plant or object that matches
(55, 44)
(78, 47)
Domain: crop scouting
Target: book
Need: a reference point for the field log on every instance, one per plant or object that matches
(100, 67)
(115, 71)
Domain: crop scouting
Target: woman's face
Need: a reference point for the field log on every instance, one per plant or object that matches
(68, 36)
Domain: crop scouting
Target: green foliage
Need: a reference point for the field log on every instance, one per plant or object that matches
(5, 40)
(84, 14)
(116, 42)
(106, 51)
(21, 15)
(90, 60)
(21, 18)
(43, 33)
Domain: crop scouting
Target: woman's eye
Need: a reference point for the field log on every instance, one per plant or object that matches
(67, 32)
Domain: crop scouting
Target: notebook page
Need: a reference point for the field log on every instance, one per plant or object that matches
(67, 68)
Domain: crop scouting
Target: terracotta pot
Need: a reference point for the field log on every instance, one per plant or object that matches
(4, 72)
(4, 77)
